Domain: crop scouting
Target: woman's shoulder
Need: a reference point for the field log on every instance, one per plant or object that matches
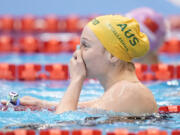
(130, 88)
(134, 94)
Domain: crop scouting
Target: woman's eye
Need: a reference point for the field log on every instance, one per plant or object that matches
(84, 45)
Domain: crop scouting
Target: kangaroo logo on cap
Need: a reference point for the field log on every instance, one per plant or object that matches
(95, 21)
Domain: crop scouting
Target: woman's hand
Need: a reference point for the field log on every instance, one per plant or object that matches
(77, 68)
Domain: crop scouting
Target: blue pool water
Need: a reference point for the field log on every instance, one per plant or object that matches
(38, 58)
(166, 93)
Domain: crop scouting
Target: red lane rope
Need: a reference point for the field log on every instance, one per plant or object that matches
(57, 71)
(33, 72)
(49, 23)
(34, 44)
(169, 109)
(150, 131)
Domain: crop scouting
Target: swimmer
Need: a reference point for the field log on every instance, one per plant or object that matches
(154, 26)
(108, 45)
(13, 98)
(13, 102)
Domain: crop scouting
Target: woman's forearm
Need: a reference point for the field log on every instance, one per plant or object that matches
(47, 104)
(70, 99)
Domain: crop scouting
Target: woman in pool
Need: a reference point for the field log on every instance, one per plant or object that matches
(108, 45)
(154, 26)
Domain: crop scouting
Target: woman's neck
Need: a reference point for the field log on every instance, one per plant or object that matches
(110, 79)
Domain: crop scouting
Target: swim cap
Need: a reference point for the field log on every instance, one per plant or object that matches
(120, 36)
(152, 24)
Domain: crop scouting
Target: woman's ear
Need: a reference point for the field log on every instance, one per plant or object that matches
(111, 58)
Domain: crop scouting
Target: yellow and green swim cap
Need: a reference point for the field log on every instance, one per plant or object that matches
(120, 36)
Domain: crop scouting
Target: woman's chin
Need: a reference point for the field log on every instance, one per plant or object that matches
(91, 77)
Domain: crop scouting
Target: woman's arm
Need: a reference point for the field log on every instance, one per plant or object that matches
(31, 101)
(71, 97)
(77, 75)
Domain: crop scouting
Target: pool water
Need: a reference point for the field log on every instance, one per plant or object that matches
(166, 93)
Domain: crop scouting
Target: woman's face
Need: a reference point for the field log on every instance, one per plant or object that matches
(93, 54)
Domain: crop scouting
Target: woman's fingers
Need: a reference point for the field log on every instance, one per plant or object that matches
(77, 66)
